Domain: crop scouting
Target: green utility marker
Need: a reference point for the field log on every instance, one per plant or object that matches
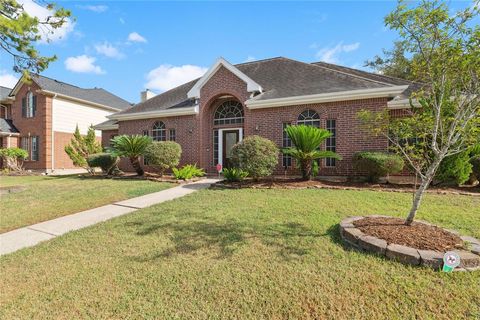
(451, 260)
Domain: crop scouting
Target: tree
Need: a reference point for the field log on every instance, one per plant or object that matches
(81, 147)
(394, 63)
(131, 147)
(19, 31)
(444, 116)
(306, 142)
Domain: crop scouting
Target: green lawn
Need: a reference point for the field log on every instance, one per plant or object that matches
(48, 197)
(240, 254)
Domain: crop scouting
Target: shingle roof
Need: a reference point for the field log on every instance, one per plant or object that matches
(105, 124)
(4, 93)
(96, 95)
(280, 77)
(6, 126)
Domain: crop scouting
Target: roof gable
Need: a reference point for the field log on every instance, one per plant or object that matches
(252, 86)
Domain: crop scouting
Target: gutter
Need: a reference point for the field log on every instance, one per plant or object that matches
(327, 97)
(106, 127)
(156, 114)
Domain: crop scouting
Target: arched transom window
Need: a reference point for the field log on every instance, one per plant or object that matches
(159, 133)
(309, 118)
(229, 112)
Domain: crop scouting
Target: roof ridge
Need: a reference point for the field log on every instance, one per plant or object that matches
(261, 60)
(59, 81)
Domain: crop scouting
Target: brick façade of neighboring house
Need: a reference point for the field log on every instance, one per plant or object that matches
(41, 115)
(207, 116)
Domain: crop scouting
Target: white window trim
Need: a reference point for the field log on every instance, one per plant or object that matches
(220, 142)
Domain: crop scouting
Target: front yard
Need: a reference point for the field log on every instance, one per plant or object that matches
(48, 197)
(240, 254)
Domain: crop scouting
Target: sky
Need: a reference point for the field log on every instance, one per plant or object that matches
(128, 46)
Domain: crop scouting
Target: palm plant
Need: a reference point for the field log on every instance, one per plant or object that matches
(131, 147)
(306, 142)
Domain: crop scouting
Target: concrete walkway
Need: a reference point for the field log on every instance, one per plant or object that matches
(29, 236)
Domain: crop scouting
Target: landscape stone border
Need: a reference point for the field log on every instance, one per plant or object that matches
(353, 237)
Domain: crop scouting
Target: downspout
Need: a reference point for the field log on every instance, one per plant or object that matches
(53, 140)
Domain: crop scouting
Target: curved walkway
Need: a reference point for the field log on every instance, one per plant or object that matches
(32, 235)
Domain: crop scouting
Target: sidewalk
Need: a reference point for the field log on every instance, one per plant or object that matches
(29, 236)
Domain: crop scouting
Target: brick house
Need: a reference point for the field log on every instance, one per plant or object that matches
(41, 115)
(207, 116)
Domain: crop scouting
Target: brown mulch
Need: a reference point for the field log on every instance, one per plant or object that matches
(296, 183)
(418, 235)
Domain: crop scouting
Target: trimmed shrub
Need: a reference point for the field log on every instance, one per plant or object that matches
(454, 169)
(187, 172)
(13, 157)
(234, 174)
(255, 155)
(163, 155)
(106, 161)
(377, 164)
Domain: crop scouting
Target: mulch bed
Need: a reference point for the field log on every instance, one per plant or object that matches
(295, 183)
(418, 235)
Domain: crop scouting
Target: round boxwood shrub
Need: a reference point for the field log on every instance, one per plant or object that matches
(106, 161)
(454, 169)
(256, 155)
(377, 164)
(163, 155)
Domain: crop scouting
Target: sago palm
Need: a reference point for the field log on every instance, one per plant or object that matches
(306, 142)
(131, 147)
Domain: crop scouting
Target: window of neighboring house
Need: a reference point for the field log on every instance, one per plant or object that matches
(172, 136)
(34, 148)
(309, 118)
(159, 133)
(25, 145)
(286, 142)
(331, 142)
(29, 105)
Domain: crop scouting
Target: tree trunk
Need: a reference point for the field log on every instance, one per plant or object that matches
(136, 165)
(417, 200)
(306, 169)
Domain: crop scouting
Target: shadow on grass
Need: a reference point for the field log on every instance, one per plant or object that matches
(289, 240)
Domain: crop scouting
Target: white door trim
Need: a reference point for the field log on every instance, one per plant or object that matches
(220, 141)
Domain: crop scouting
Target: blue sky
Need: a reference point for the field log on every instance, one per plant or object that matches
(126, 47)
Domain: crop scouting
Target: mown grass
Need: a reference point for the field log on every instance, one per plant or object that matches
(48, 197)
(240, 254)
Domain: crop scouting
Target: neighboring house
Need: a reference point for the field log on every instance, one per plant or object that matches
(41, 116)
(207, 116)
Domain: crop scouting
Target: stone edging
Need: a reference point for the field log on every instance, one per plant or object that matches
(469, 260)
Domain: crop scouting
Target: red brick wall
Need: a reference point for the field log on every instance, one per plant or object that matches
(40, 125)
(195, 133)
(106, 136)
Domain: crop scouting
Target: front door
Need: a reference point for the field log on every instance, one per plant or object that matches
(229, 139)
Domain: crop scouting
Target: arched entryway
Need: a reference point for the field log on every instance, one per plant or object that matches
(228, 119)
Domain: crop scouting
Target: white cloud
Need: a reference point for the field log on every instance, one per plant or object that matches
(109, 50)
(250, 59)
(48, 34)
(7, 79)
(97, 8)
(83, 64)
(135, 37)
(331, 54)
(166, 76)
